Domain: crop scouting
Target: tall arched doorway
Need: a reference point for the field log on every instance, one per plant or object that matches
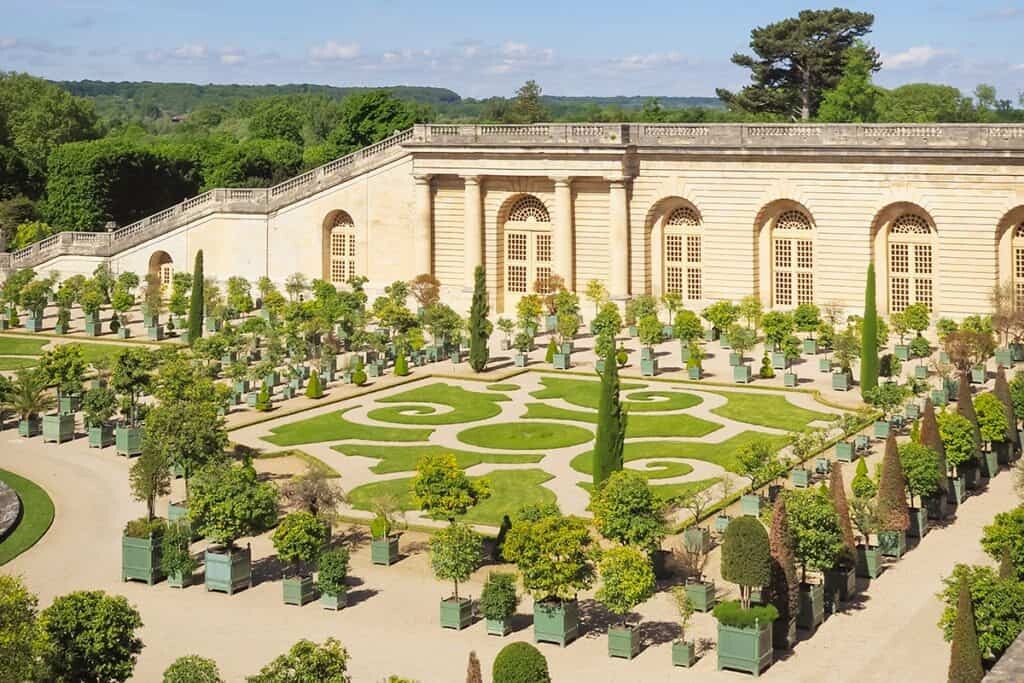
(911, 262)
(339, 248)
(785, 247)
(527, 250)
(161, 266)
(678, 254)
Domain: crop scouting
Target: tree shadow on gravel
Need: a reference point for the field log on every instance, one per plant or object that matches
(267, 569)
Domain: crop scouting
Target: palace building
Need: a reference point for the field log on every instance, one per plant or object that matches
(789, 212)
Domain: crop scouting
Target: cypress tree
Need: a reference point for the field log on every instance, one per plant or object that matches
(965, 655)
(611, 424)
(784, 587)
(195, 309)
(401, 365)
(1006, 568)
(479, 325)
(1002, 392)
(965, 406)
(837, 489)
(893, 511)
(869, 337)
(549, 356)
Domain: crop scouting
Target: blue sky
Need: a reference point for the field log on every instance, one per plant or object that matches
(483, 48)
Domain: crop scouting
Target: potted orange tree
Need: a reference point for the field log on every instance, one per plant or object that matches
(455, 553)
(299, 540)
(627, 579)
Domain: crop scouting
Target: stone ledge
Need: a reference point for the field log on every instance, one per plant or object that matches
(10, 510)
(1010, 667)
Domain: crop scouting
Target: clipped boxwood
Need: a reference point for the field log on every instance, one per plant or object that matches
(520, 663)
(333, 571)
(731, 613)
(144, 528)
(498, 599)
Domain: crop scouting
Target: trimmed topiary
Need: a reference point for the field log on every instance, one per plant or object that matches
(869, 337)
(313, 389)
(893, 511)
(359, 377)
(965, 655)
(195, 309)
(746, 556)
(520, 663)
(611, 426)
(401, 365)
(479, 326)
(549, 355)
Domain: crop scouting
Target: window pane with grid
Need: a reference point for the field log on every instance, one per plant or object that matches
(1018, 271)
(543, 248)
(899, 294)
(674, 279)
(516, 246)
(899, 258)
(693, 284)
(804, 288)
(673, 248)
(693, 249)
(783, 288)
(517, 279)
(542, 279)
(783, 253)
(923, 292)
(923, 259)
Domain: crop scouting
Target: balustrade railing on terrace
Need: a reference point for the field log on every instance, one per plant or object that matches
(917, 137)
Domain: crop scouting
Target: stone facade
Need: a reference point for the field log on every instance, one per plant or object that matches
(788, 212)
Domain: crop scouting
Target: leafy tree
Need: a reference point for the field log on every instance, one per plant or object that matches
(746, 556)
(965, 654)
(922, 103)
(627, 580)
(992, 420)
(886, 397)
(276, 118)
(333, 568)
(455, 553)
(307, 661)
(520, 663)
(597, 294)
(527, 106)
(611, 425)
(63, 367)
(997, 604)
(797, 60)
(426, 289)
(185, 433)
(370, 117)
(240, 294)
(854, 97)
(553, 556)
(479, 326)
(892, 490)
(869, 337)
(300, 538)
(814, 523)
(627, 511)
(91, 637)
(721, 314)
(192, 669)
(757, 462)
(195, 309)
(444, 490)
(229, 502)
(920, 466)
(1005, 538)
(150, 478)
(687, 326)
(752, 310)
(21, 638)
(957, 440)
(784, 587)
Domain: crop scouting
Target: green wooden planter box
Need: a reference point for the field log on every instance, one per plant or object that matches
(499, 627)
(455, 357)
(550, 323)
(741, 374)
(745, 649)
(902, 351)
(298, 590)
(779, 360)
(697, 540)
(881, 429)
(623, 642)
(178, 580)
(684, 351)
(970, 477)
(456, 614)
(695, 373)
(124, 332)
(272, 379)
(1016, 351)
(701, 594)
(384, 550)
(684, 654)
(155, 332)
(101, 437)
(70, 404)
(918, 523)
(892, 543)
(5, 324)
(1004, 358)
(251, 398)
(287, 392)
(128, 440)
(921, 372)
(212, 324)
(373, 370)
(723, 341)
(845, 451)
(57, 329)
(824, 365)
(228, 357)
(334, 602)
(140, 559)
(30, 427)
(735, 359)
(939, 397)
(750, 504)
(34, 324)
(840, 381)
(556, 622)
(649, 368)
(709, 335)
(228, 571)
(936, 507)
(241, 386)
(722, 522)
(58, 428)
(562, 361)
(521, 360)
(812, 606)
(800, 477)
(990, 464)
(869, 562)
(978, 374)
(912, 411)
(790, 379)
(810, 346)
(93, 328)
(840, 584)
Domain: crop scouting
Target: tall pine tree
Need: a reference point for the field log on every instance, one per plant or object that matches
(479, 325)
(611, 423)
(869, 337)
(965, 654)
(195, 309)
(784, 590)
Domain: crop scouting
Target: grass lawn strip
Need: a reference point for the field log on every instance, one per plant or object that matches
(467, 406)
(299, 455)
(669, 491)
(721, 454)
(334, 427)
(579, 392)
(524, 435)
(510, 490)
(37, 515)
(11, 363)
(767, 411)
(404, 458)
(13, 346)
(660, 400)
(502, 387)
(638, 425)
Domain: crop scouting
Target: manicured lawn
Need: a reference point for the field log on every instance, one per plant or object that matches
(334, 427)
(510, 490)
(767, 410)
(579, 392)
(404, 458)
(467, 406)
(305, 457)
(93, 352)
(502, 387)
(524, 435)
(670, 491)
(11, 346)
(660, 400)
(16, 346)
(17, 363)
(722, 454)
(37, 515)
(637, 426)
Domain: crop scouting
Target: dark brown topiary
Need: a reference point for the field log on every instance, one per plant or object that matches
(965, 407)
(473, 674)
(893, 511)
(1002, 392)
(784, 587)
(837, 489)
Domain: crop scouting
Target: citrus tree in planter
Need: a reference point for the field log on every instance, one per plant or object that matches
(131, 378)
(384, 543)
(455, 553)
(141, 543)
(721, 315)
(924, 478)
(307, 661)
(606, 326)
(696, 546)
(192, 669)
(498, 602)
(886, 397)
(528, 310)
(98, 406)
(28, 397)
(745, 632)
(996, 602)
(960, 449)
(818, 543)
(684, 652)
(741, 340)
(553, 554)
(687, 329)
(993, 425)
(672, 301)
(443, 490)
(845, 350)
(893, 512)
(1003, 540)
(627, 512)
(807, 319)
(626, 581)
(299, 540)
(650, 333)
(64, 369)
(331, 577)
(34, 297)
(176, 559)
(228, 502)
(597, 294)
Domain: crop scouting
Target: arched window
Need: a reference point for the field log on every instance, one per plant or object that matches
(792, 259)
(342, 245)
(683, 254)
(527, 249)
(161, 266)
(166, 276)
(910, 262)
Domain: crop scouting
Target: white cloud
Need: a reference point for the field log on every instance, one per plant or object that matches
(332, 51)
(653, 60)
(231, 56)
(191, 51)
(917, 56)
(511, 49)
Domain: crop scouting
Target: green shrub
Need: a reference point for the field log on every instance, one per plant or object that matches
(380, 527)
(498, 599)
(263, 402)
(731, 613)
(333, 571)
(175, 557)
(998, 607)
(520, 663)
(192, 669)
(313, 389)
(359, 377)
(767, 371)
(1005, 536)
(144, 528)
(746, 555)
(401, 365)
(549, 355)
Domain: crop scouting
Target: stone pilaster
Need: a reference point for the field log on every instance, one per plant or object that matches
(473, 226)
(618, 238)
(422, 238)
(562, 237)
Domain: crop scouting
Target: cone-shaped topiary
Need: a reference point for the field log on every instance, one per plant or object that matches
(473, 674)
(1002, 392)
(746, 556)
(520, 663)
(893, 511)
(195, 308)
(263, 399)
(930, 435)
(1006, 568)
(313, 389)
(869, 337)
(965, 406)
(611, 425)
(549, 355)
(479, 325)
(863, 486)
(401, 365)
(784, 588)
(837, 490)
(965, 655)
